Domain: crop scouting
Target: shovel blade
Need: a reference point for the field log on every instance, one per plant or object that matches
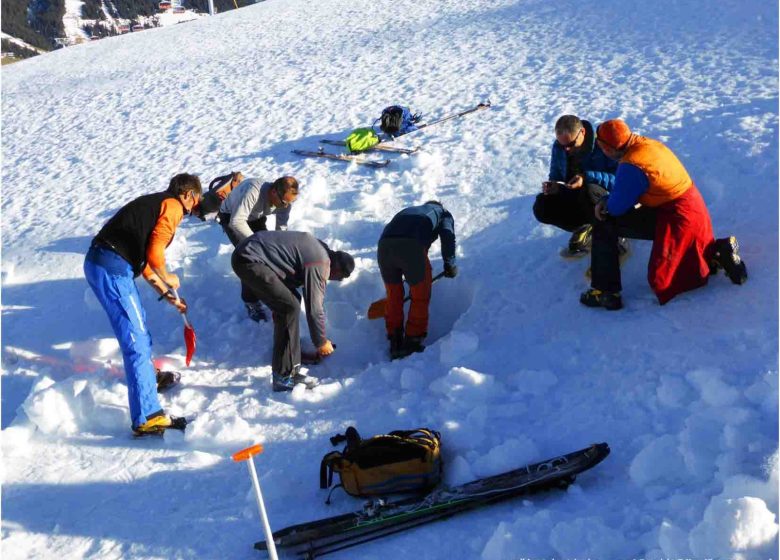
(189, 341)
(377, 309)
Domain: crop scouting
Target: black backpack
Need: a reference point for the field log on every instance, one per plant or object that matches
(397, 120)
(219, 188)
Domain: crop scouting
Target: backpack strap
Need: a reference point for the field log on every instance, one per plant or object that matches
(327, 501)
(351, 436)
(326, 468)
(221, 181)
(353, 439)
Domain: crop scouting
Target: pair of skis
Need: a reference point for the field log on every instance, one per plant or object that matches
(380, 518)
(360, 159)
(357, 158)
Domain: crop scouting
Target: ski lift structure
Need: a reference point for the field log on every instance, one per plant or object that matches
(176, 7)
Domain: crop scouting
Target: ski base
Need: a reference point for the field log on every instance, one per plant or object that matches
(359, 160)
(381, 147)
(379, 518)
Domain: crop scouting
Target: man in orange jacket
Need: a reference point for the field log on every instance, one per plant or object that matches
(654, 198)
(130, 244)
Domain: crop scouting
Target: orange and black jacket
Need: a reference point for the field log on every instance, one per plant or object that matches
(142, 229)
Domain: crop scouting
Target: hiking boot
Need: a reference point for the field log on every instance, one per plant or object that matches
(580, 242)
(727, 257)
(596, 298)
(396, 344)
(158, 424)
(256, 311)
(413, 344)
(288, 382)
(309, 380)
(167, 379)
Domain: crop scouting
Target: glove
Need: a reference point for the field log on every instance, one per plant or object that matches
(450, 270)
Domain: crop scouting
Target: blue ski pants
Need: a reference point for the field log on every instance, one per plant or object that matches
(111, 278)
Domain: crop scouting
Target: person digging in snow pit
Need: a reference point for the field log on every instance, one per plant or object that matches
(654, 198)
(245, 211)
(133, 243)
(580, 174)
(402, 253)
(274, 264)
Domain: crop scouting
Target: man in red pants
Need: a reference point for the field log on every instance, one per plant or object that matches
(403, 254)
(654, 198)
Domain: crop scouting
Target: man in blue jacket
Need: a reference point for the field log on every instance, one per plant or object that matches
(580, 174)
(403, 253)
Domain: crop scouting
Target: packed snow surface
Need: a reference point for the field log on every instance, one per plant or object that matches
(515, 371)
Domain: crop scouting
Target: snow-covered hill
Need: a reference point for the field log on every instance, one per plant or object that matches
(516, 369)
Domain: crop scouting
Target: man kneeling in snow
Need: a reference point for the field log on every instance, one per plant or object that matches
(671, 213)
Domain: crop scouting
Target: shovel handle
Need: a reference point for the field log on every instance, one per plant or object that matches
(184, 314)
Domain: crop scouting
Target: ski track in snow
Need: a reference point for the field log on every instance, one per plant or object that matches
(515, 371)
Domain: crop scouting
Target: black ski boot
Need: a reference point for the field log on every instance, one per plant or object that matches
(396, 344)
(580, 243)
(611, 301)
(167, 379)
(413, 344)
(727, 257)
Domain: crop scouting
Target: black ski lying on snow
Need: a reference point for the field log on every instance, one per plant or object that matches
(377, 148)
(358, 159)
(379, 518)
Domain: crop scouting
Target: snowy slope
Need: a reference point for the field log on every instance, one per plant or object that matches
(516, 370)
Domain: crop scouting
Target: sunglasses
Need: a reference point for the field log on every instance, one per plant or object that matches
(573, 143)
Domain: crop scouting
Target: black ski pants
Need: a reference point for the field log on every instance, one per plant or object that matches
(568, 209)
(247, 295)
(638, 223)
(285, 304)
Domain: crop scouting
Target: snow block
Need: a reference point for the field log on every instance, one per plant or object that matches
(734, 526)
(458, 345)
(463, 384)
(658, 462)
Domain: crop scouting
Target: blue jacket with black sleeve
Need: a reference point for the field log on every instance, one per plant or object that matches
(425, 223)
(597, 167)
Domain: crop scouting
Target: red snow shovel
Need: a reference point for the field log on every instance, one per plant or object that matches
(189, 334)
(378, 309)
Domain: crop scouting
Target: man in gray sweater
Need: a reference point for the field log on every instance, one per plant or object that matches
(274, 264)
(245, 211)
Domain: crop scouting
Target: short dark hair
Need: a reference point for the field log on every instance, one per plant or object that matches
(184, 183)
(286, 184)
(568, 124)
(435, 202)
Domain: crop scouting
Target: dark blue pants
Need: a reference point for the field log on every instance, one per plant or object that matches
(111, 278)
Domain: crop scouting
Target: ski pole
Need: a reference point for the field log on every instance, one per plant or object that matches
(483, 105)
(246, 455)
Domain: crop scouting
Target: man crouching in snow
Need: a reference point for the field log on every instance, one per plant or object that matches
(671, 213)
(273, 264)
(133, 242)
